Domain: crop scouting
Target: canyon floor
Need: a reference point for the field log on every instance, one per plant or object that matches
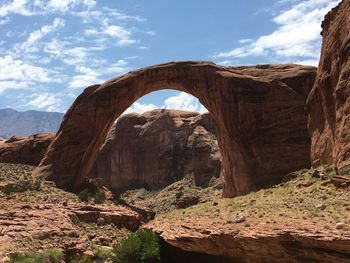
(311, 207)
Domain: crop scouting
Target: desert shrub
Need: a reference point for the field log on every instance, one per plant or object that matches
(103, 253)
(82, 259)
(22, 185)
(84, 195)
(139, 247)
(99, 197)
(46, 256)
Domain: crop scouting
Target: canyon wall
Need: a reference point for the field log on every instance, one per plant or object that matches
(158, 148)
(329, 101)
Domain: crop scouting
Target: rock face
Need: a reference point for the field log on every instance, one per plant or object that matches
(258, 110)
(27, 221)
(227, 246)
(25, 150)
(14, 123)
(329, 101)
(157, 148)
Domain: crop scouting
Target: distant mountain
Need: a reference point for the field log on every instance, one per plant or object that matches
(27, 123)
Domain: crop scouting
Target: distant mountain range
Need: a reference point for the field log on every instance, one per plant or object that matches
(27, 123)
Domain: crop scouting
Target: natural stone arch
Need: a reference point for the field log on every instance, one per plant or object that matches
(259, 113)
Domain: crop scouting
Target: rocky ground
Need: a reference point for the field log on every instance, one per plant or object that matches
(303, 218)
(306, 218)
(181, 194)
(37, 215)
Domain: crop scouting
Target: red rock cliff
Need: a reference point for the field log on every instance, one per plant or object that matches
(329, 101)
(158, 148)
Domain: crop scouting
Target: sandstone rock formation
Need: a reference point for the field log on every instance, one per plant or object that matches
(259, 112)
(27, 221)
(157, 148)
(205, 243)
(25, 150)
(329, 101)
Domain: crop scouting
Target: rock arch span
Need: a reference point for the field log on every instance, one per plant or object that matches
(259, 112)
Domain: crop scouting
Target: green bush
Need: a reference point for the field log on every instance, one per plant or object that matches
(46, 256)
(99, 197)
(84, 195)
(139, 247)
(82, 259)
(22, 185)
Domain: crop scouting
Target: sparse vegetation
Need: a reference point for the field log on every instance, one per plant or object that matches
(84, 195)
(99, 197)
(46, 256)
(308, 202)
(22, 185)
(139, 247)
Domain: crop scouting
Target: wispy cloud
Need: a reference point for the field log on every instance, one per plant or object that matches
(297, 35)
(181, 101)
(15, 74)
(47, 101)
(29, 45)
(89, 76)
(140, 108)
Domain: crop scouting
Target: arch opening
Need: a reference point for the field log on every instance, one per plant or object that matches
(170, 137)
(259, 112)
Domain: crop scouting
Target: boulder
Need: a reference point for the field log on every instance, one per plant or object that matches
(329, 101)
(25, 150)
(157, 148)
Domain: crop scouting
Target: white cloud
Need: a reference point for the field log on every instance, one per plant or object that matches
(88, 76)
(62, 5)
(184, 101)
(121, 34)
(227, 63)
(29, 45)
(5, 21)
(297, 35)
(83, 81)
(307, 62)
(14, 74)
(120, 67)
(140, 108)
(15, 7)
(47, 101)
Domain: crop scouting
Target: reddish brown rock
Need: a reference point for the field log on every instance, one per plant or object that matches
(157, 148)
(25, 150)
(27, 221)
(329, 101)
(211, 243)
(259, 112)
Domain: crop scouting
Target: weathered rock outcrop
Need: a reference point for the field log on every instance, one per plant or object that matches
(259, 112)
(329, 101)
(222, 244)
(157, 148)
(26, 221)
(25, 150)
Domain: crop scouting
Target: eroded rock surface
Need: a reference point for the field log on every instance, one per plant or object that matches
(28, 221)
(25, 150)
(259, 112)
(329, 101)
(157, 148)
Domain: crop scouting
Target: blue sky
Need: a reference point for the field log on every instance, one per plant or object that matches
(50, 50)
